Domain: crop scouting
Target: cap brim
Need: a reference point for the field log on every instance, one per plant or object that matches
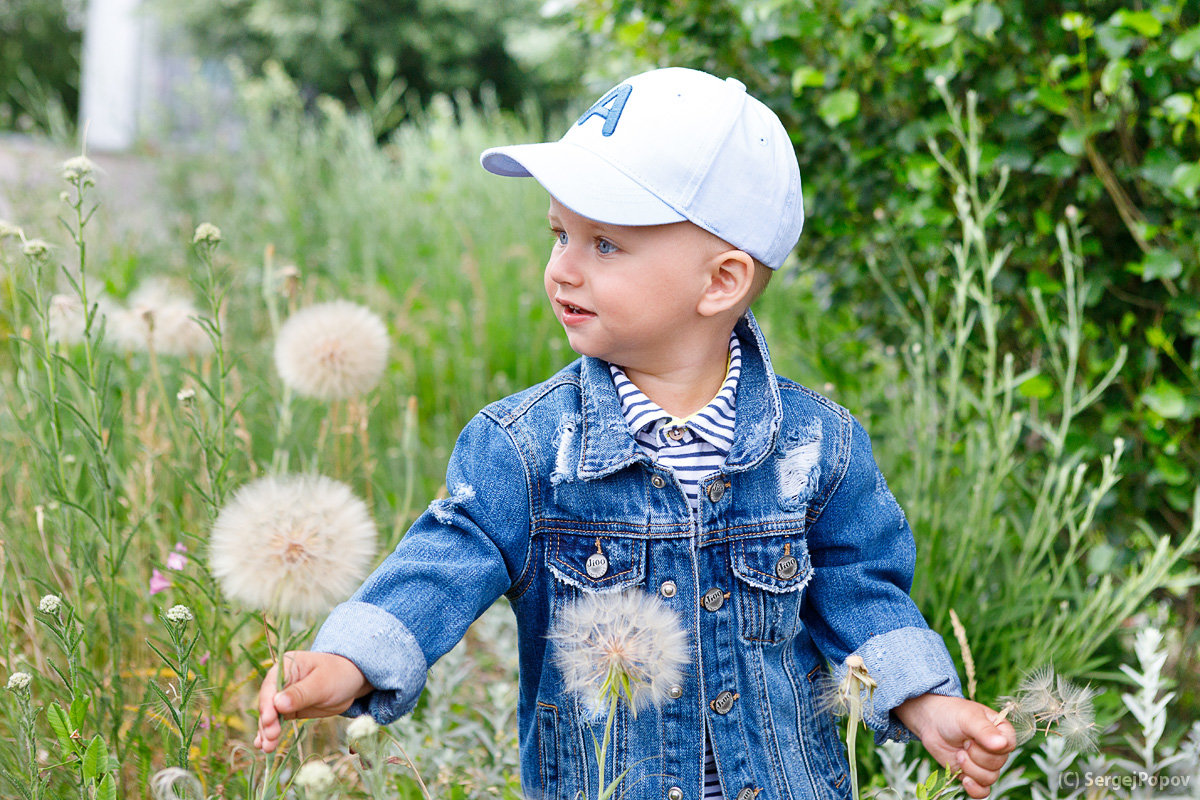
(581, 181)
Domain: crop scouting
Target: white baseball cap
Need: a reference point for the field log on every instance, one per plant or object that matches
(670, 145)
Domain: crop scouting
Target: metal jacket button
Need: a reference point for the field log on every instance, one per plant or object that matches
(675, 692)
(674, 793)
(657, 481)
(724, 702)
(668, 589)
(787, 567)
(596, 565)
(748, 794)
(716, 491)
(713, 599)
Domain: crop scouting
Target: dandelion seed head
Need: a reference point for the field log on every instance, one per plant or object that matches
(77, 168)
(159, 317)
(292, 544)
(175, 783)
(332, 351)
(603, 639)
(1079, 733)
(315, 776)
(207, 234)
(50, 604)
(178, 614)
(19, 681)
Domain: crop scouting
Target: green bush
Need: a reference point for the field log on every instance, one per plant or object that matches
(39, 65)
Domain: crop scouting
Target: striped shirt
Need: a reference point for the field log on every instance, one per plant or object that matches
(692, 448)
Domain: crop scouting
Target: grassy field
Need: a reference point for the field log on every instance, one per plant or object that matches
(127, 431)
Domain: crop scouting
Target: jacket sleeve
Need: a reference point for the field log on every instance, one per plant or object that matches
(459, 556)
(863, 556)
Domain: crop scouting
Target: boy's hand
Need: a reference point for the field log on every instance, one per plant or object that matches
(318, 685)
(963, 735)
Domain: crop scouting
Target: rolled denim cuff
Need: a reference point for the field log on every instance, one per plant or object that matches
(384, 650)
(905, 663)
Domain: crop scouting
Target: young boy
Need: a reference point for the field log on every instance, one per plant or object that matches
(670, 458)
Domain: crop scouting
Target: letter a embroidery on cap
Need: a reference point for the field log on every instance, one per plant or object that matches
(609, 108)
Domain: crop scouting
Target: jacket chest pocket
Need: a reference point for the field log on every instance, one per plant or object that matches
(596, 562)
(772, 573)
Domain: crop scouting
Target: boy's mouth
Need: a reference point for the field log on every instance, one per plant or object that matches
(574, 310)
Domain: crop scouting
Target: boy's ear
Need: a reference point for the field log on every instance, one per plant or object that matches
(731, 277)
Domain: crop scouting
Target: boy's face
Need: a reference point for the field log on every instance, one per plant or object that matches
(629, 294)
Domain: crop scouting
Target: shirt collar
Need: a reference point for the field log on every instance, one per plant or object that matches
(714, 423)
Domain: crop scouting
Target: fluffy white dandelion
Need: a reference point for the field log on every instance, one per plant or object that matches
(50, 604)
(293, 544)
(628, 642)
(66, 318)
(1049, 703)
(315, 776)
(332, 351)
(19, 681)
(175, 783)
(159, 317)
(178, 614)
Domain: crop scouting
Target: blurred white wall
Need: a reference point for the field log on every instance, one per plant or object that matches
(115, 67)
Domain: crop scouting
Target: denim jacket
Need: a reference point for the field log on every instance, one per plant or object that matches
(798, 556)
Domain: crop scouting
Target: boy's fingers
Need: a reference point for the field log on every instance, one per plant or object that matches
(994, 738)
(973, 789)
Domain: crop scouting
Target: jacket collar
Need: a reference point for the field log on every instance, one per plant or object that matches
(608, 445)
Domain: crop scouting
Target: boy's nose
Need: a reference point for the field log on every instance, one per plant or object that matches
(562, 268)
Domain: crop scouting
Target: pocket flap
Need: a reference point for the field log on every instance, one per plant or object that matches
(597, 563)
(776, 564)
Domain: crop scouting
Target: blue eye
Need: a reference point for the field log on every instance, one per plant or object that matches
(562, 237)
(605, 247)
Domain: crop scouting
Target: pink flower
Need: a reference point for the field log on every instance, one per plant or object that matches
(176, 560)
(158, 582)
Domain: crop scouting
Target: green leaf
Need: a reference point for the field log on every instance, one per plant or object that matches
(1165, 399)
(804, 77)
(1143, 22)
(956, 11)
(1072, 140)
(107, 790)
(61, 726)
(988, 19)
(95, 759)
(837, 107)
(1186, 179)
(1053, 100)
(1115, 76)
(1039, 386)
(1161, 264)
(1186, 45)
(1178, 106)
(79, 707)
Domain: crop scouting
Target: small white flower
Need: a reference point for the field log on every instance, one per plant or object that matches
(7, 229)
(19, 681)
(295, 544)
(331, 351)
(186, 396)
(315, 776)
(207, 234)
(179, 614)
(78, 168)
(36, 250)
(940, 81)
(50, 604)
(1072, 212)
(361, 727)
(628, 642)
